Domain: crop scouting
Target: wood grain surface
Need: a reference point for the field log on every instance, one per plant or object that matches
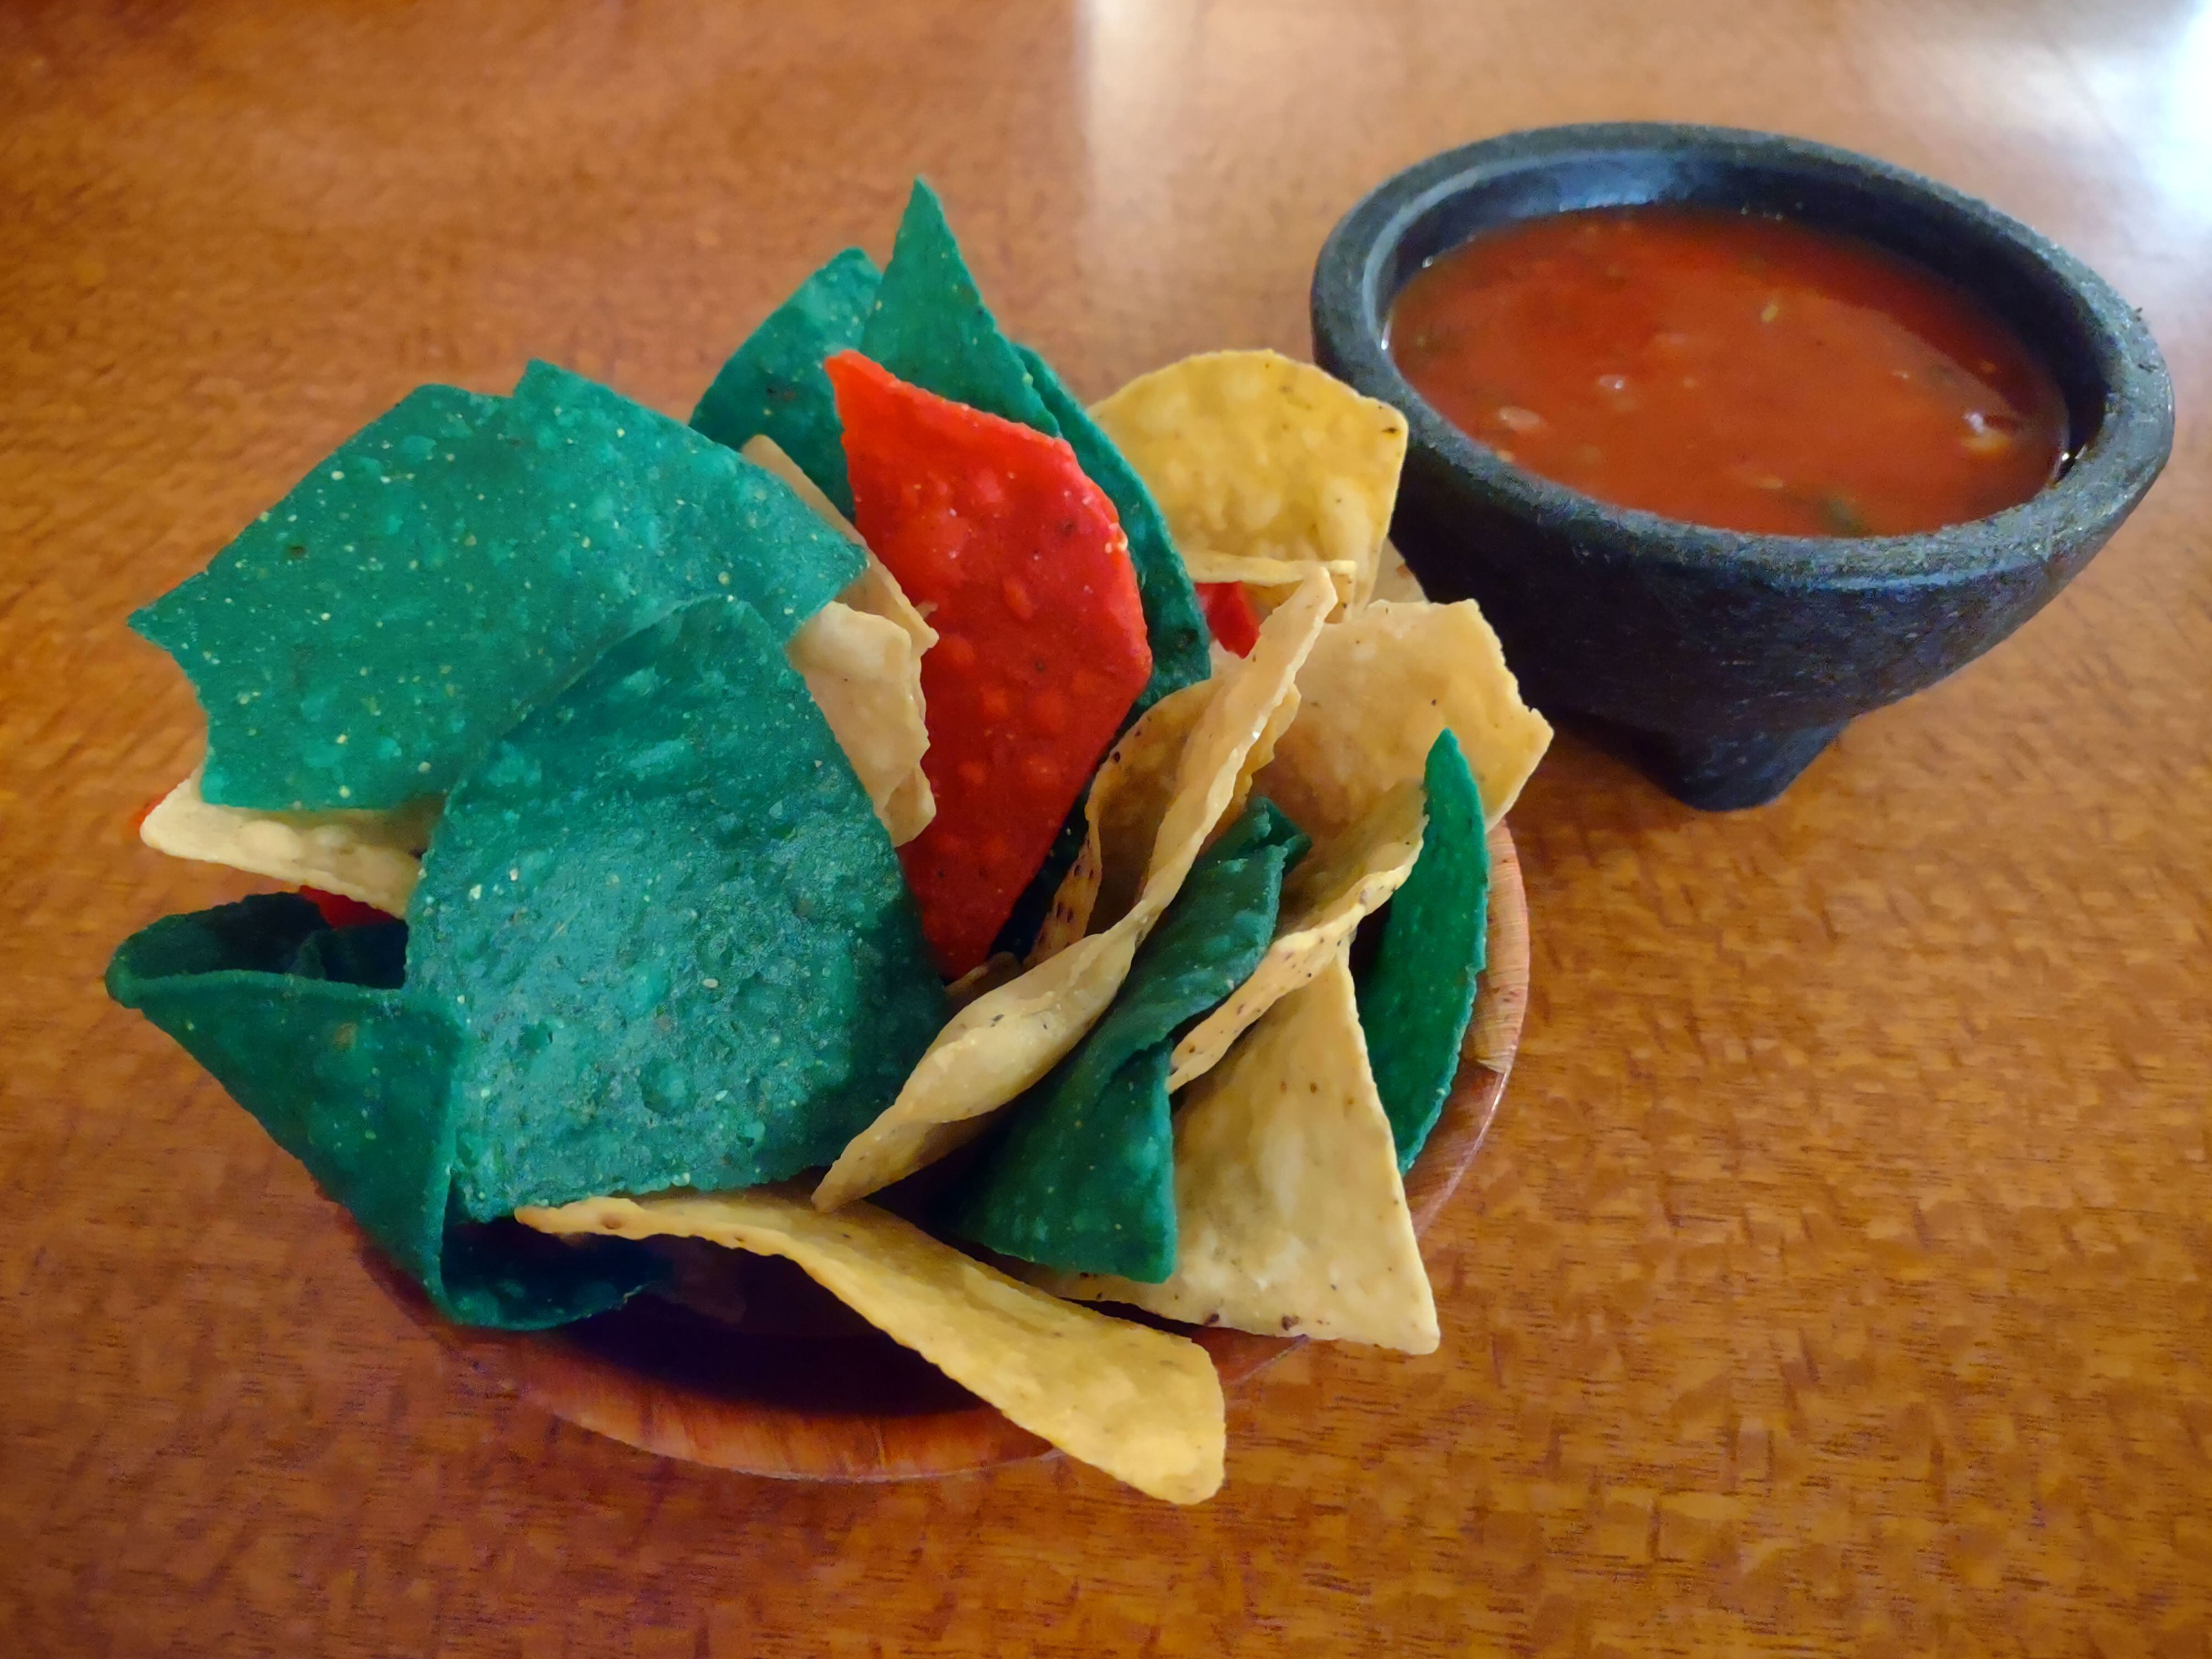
(1835, 1279)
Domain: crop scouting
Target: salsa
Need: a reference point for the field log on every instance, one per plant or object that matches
(1745, 373)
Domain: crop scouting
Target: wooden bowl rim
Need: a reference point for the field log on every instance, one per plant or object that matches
(596, 1392)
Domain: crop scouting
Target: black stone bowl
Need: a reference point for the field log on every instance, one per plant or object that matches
(1721, 661)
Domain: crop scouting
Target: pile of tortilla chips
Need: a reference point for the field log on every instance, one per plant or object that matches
(703, 829)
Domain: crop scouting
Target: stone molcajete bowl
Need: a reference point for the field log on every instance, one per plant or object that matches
(1722, 661)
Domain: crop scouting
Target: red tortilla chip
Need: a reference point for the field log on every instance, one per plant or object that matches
(1020, 564)
(339, 911)
(1228, 613)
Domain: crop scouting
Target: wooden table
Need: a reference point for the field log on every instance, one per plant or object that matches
(1836, 1279)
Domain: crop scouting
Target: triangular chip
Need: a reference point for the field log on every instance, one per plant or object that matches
(1008, 1038)
(1142, 1405)
(1254, 455)
(674, 930)
(1379, 686)
(1042, 648)
(356, 1082)
(1080, 1177)
(1291, 1216)
(931, 328)
(373, 857)
(773, 384)
(1326, 899)
(364, 641)
(1172, 622)
(1418, 994)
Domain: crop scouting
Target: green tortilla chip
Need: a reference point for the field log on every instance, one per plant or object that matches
(354, 1082)
(1082, 1178)
(1417, 996)
(365, 640)
(372, 954)
(931, 328)
(1172, 618)
(674, 929)
(773, 383)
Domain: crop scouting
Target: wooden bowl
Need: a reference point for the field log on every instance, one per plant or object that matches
(798, 1388)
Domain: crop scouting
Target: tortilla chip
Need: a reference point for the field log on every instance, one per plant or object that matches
(1418, 994)
(369, 856)
(773, 384)
(1129, 795)
(931, 328)
(356, 1082)
(1211, 568)
(1254, 455)
(1291, 1216)
(866, 680)
(875, 704)
(676, 934)
(875, 590)
(1176, 631)
(1327, 898)
(1395, 579)
(365, 641)
(1379, 686)
(1006, 1040)
(1081, 1175)
(1142, 1405)
(1027, 573)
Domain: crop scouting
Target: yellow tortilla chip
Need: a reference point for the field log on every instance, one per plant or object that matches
(1142, 1405)
(866, 680)
(1328, 894)
(1379, 686)
(1008, 1038)
(1394, 579)
(987, 974)
(1290, 1216)
(1127, 798)
(875, 590)
(1252, 455)
(1269, 574)
(867, 683)
(369, 856)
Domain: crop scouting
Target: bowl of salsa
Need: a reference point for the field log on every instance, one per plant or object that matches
(1734, 436)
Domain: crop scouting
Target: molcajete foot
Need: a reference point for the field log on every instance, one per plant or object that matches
(1718, 775)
